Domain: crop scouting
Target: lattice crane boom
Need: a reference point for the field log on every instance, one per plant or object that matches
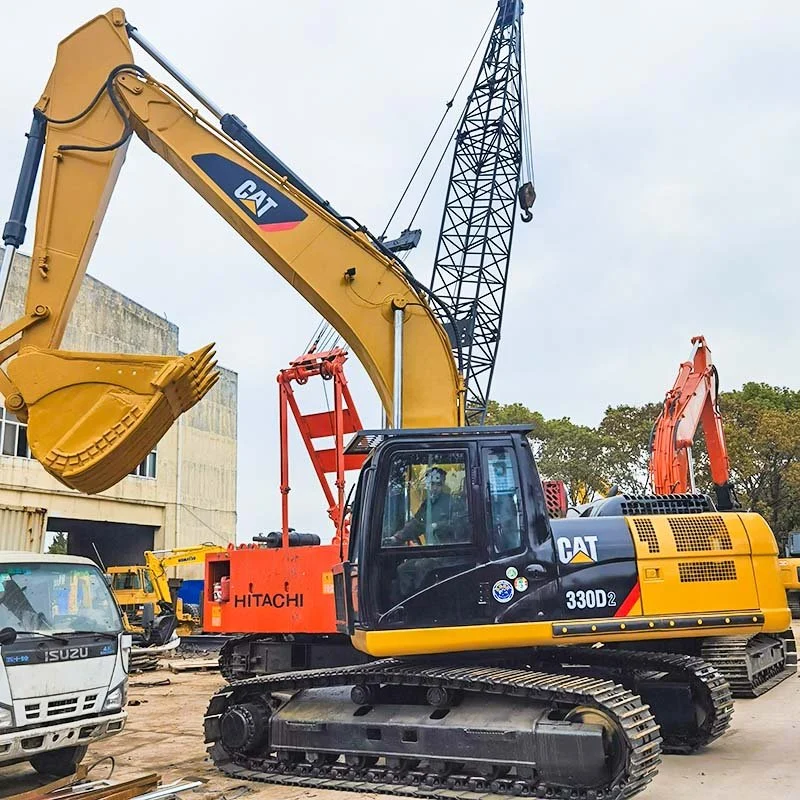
(472, 258)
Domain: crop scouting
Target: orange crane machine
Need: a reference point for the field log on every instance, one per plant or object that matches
(693, 401)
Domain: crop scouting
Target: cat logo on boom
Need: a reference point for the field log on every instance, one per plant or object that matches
(256, 200)
(270, 209)
(577, 549)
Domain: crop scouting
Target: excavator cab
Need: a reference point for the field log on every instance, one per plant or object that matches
(452, 524)
(451, 549)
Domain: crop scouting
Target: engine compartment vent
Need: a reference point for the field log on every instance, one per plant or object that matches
(696, 571)
(647, 534)
(700, 534)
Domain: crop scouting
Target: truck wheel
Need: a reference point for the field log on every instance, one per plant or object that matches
(59, 763)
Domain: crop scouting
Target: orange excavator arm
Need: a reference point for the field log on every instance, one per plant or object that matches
(93, 417)
(692, 402)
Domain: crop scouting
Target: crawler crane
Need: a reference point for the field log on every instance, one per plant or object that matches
(471, 689)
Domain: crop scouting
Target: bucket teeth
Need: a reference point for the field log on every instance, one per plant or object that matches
(93, 418)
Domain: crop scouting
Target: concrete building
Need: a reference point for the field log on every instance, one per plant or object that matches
(184, 493)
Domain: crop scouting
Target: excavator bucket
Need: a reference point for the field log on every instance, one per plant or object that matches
(92, 418)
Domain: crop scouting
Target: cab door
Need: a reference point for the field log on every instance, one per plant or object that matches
(426, 538)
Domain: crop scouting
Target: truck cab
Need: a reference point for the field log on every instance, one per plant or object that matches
(63, 660)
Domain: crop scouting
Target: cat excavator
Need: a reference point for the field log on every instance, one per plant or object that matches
(751, 664)
(453, 579)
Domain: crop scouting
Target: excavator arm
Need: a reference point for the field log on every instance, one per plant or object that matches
(93, 417)
(692, 402)
(158, 561)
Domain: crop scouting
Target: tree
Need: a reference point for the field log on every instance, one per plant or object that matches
(626, 431)
(572, 453)
(58, 545)
(563, 450)
(762, 431)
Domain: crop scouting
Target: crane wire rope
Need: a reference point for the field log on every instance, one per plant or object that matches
(527, 139)
(448, 106)
(319, 336)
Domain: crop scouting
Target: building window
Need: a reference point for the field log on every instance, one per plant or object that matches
(14, 435)
(147, 469)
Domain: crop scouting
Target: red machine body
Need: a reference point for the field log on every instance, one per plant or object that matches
(287, 588)
(275, 590)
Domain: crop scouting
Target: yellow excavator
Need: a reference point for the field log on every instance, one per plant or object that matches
(136, 586)
(471, 687)
(790, 572)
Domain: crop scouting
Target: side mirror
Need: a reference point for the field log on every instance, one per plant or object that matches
(7, 636)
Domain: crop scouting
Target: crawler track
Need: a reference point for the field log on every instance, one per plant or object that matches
(642, 672)
(753, 665)
(793, 598)
(637, 740)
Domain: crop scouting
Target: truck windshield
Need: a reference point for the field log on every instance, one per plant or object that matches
(56, 598)
(793, 547)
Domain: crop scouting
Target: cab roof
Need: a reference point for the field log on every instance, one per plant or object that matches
(364, 442)
(25, 557)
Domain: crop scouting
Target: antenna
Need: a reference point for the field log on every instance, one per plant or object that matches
(100, 560)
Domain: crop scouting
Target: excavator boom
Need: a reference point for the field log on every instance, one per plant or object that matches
(692, 402)
(93, 417)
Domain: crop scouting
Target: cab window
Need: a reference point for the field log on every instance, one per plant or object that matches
(426, 532)
(504, 507)
(125, 580)
(426, 500)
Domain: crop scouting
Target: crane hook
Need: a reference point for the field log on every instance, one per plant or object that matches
(527, 197)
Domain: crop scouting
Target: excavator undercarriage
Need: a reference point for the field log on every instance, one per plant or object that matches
(427, 728)
(753, 665)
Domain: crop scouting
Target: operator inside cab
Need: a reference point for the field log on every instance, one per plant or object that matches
(440, 517)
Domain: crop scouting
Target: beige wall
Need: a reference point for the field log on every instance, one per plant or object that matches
(193, 497)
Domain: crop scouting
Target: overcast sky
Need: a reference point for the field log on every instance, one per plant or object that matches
(666, 154)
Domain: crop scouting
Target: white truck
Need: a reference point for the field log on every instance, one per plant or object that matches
(64, 671)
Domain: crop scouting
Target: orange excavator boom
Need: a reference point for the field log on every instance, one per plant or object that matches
(693, 401)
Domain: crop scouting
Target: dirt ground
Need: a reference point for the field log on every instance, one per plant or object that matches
(755, 758)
